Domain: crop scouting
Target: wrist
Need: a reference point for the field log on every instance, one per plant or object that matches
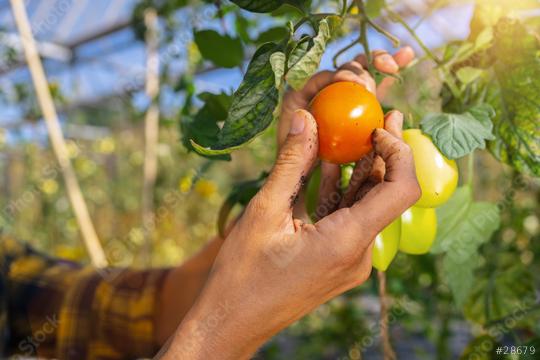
(220, 325)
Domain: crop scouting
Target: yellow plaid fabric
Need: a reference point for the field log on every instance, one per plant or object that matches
(60, 309)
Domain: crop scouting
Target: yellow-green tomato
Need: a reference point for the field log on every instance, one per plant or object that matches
(418, 230)
(386, 245)
(437, 175)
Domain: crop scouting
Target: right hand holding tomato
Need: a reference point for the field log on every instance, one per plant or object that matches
(332, 98)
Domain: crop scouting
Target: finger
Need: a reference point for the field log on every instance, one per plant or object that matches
(363, 79)
(361, 171)
(297, 156)
(387, 200)
(404, 56)
(353, 66)
(382, 61)
(369, 171)
(329, 189)
(300, 99)
(393, 123)
(385, 63)
(375, 177)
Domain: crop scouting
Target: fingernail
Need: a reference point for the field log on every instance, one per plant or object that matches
(298, 123)
(389, 62)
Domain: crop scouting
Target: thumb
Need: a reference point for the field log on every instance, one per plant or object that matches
(295, 160)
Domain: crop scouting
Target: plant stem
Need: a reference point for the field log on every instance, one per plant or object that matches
(397, 18)
(363, 34)
(388, 352)
(470, 170)
(395, 41)
(300, 23)
(341, 51)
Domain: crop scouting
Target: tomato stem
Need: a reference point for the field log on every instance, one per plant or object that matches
(470, 170)
(395, 17)
(362, 39)
(388, 352)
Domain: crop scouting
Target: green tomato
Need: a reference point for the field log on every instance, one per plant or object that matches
(386, 245)
(346, 174)
(437, 175)
(312, 191)
(418, 230)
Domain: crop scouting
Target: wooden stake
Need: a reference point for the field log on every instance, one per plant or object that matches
(151, 131)
(58, 143)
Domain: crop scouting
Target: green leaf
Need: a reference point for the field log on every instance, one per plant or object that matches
(449, 216)
(468, 74)
(241, 193)
(264, 6)
(299, 50)
(241, 25)
(462, 226)
(203, 127)
(457, 135)
(222, 50)
(306, 66)
(252, 106)
(374, 7)
(277, 60)
(274, 34)
(517, 103)
(501, 293)
(480, 348)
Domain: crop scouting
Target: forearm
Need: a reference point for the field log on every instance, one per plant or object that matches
(219, 327)
(181, 288)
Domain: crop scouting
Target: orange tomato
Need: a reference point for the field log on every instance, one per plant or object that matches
(346, 115)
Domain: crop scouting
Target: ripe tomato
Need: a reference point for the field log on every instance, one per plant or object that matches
(386, 245)
(437, 175)
(346, 115)
(418, 230)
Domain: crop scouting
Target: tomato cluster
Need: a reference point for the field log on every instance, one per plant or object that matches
(346, 115)
(438, 177)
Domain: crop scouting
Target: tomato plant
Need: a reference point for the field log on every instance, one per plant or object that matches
(346, 115)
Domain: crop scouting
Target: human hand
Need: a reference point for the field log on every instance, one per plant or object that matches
(273, 269)
(350, 71)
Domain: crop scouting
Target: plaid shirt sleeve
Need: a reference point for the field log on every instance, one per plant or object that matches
(55, 308)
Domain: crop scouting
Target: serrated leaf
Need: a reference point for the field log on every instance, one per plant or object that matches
(459, 276)
(222, 50)
(277, 61)
(252, 106)
(203, 126)
(457, 135)
(264, 6)
(462, 226)
(449, 215)
(517, 104)
(299, 50)
(500, 294)
(306, 66)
